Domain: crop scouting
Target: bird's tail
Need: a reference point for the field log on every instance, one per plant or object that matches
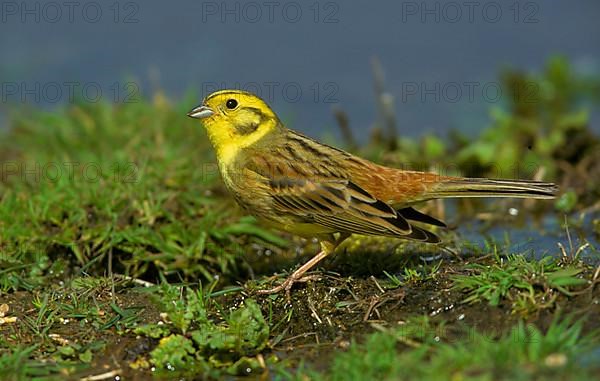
(475, 187)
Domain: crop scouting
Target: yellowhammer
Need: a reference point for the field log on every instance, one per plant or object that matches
(311, 189)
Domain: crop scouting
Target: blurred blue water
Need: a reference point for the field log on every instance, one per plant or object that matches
(537, 240)
(304, 57)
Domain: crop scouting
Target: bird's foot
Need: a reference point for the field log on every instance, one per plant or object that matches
(298, 275)
(287, 285)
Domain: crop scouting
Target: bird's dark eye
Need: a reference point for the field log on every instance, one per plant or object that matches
(231, 104)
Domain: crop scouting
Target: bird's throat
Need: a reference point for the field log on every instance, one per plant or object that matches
(228, 145)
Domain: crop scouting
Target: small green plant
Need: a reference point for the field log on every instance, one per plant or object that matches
(193, 341)
(16, 364)
(529, 285)
(567, 201)
(420, 273)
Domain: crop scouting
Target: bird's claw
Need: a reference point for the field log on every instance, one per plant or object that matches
(287, 285)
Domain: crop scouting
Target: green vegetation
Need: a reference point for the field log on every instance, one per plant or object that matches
(522, 353)
(542, 129)
(191, 343)
(96, 182)
(111, 216)
(526, 285)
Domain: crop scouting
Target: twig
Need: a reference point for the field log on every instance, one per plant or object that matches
(111, 275)
(141, 282)
(302, 335)
(377, 284)
(373, 305)
(568, 234)
(385, 106)
(103, 376)
(314, 311)
(343, 123)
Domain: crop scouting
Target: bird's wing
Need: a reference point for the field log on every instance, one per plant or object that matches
(343, 206)
(312, 183)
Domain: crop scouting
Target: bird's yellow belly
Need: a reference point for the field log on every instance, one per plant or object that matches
(307, 230)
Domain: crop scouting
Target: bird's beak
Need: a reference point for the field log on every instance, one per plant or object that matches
(201, 112)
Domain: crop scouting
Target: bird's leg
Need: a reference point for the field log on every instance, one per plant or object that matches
(296, 275)
(327, 247)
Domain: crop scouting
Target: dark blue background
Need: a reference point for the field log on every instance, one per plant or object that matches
(182, 45)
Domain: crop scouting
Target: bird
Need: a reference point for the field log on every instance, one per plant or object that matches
(299, 185)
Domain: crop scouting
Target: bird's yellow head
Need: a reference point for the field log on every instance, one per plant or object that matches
(234, 119)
